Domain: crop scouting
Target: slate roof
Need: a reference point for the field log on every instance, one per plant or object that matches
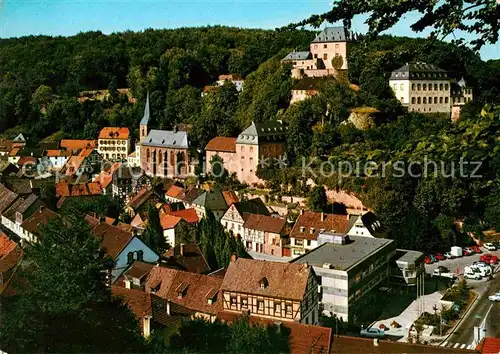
(42, 215)
(264, 223)
(192, 194)
(114, 133)
(331, 34)
(138, 301)
(298, 56)
(419, 70)
(343, 257)
(285, 280)
(192, 259)
(147, 114)
(113, 239)
(311, 219)
(211, 200)
(167, 139)
(252, 206)
(169, 282)
(262, 132)
(222, 143)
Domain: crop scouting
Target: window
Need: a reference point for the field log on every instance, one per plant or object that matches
(277, 307)
(336, 47)
(140, 255)
(325, 56)
(288, 309)
(418, 100)
(401, 87)
(130, 257)
(424, 100)
(435, 100)
(395, 87)
(440, 87)
(315, 46)
(446, 100)
(325, 45)
(435, 87)
(244, 302)
(309, 242)
(260, 305)
(430, 87)
(413, 87)
(446, 87)
(440, 99)
(413, 100)
(299, 242)
(418, 87)
(232, 300)
(251, 148)
(424, 87)
(242, 149)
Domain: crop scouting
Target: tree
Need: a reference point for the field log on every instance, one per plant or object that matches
(218, 171)
(186, 232)
(153, 235)
(317, 200)
(64, 300)
(477, 17)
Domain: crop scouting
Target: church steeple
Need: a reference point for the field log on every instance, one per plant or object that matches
(143, 125)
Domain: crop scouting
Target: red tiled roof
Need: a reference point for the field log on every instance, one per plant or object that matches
(113, 239)
(94, 188)
(196, 288)
(207, 89)
(489, 345)
(27, 159)
(85, 152)
(74, 144)
(188, 215)
(302, 338)
(230, 197)
(138, 301)
(175, 192)
(14, 151)
(57, 153)
(72, 165)
(138, 270)
(264, 223)
(140, 198)
(230, 77)
(139, 220)
(168, 221)
(42, 215)
(309, 219)
(62, 189)
(221, 143)
(285, 280)
(114, 133)
(191, 259)
(6, 245)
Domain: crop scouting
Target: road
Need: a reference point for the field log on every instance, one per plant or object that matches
(484, 312)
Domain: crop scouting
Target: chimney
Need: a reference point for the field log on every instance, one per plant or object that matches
(42, 208)
(375, 342)
(127, 284)
(301, 211)
(181, 249)
(234, 257)
(322, 216)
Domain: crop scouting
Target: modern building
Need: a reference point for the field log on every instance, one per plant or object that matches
(327, 55)
(349, 267)
(114, 143)
(233, 78)
(426, 88)
(406, 267)
(273, 290)
(309, 224)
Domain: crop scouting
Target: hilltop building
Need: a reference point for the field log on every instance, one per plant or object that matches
(235, 79)
(327, 55)
(426, 88)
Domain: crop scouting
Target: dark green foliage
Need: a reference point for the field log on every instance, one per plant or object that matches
(63, 304)
(317, 200)
(153, 235)
(186, 232)
(201, 336)
(103, 205)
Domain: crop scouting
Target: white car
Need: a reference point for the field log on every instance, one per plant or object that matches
(372, 333)
(448, 255)
(490, 246)
(472, 275)
(494, 297)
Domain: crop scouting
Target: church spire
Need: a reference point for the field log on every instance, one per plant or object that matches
(145, 118)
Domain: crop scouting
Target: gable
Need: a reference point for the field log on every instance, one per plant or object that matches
(233, 215)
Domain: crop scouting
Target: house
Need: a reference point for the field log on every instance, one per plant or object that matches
(7, 197)
(230, 197)
(188, 294)
(86, 162)
(66, 190)
(233, 78)
(7, 169)
(105, 178)
(309, 224)
(425, 88)
(123, 247)
(5, 147)
(187, 257)
(349, 267)
(75, 144)
(264, 234)
(21, 209)
(306, 88)
(212, 200)
(234, 218)
(489, 345)
(114, 143)
(327, 55)
(172, 221)
(208, 89)
(135, 276)
(367, 224)
(273, 290)
(190, 196)
(54, 160)
(461, 93)
(31, 226)
(139, 303)
(302, 338)
(121, 181)
(10, 256)
(225, 148)
(139, 201)
(175, 194)
(162, 153)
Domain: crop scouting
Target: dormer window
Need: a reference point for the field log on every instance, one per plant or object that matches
(302, 229)
(311, 230)
(211, 295)
(264, 283)
(181, 290)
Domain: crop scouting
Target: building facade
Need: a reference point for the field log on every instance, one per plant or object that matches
(235, 216)
(349, 267)
(264, 234)
(114, 143)
(235, 79)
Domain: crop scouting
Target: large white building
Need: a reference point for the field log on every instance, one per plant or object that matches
(426, 88)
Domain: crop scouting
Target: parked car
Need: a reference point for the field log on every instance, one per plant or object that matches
(472, 275)
(433, 259)
(445, 274)
(440, 257)
(476, 249)
(442, 269)
(489, 258)
(484, 270)
(466, 252)
(494, 297)
(372, 333)
(489, 246)
(448, 255)
(427, 260)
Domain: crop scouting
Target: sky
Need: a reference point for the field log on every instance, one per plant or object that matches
(68, 17)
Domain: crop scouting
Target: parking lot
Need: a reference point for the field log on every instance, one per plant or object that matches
(457, 265)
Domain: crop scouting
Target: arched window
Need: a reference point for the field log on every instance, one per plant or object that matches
(130, 257)
(424, 100)
(140, 255)
(418, 100)
(413, 100)
(440, 99)
(435, 100)
(148, 155)
(440, 87)
(435, 87)
(424, 87)
(418, 87)
(413, 87)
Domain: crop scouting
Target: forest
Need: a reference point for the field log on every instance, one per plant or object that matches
(41, 77)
